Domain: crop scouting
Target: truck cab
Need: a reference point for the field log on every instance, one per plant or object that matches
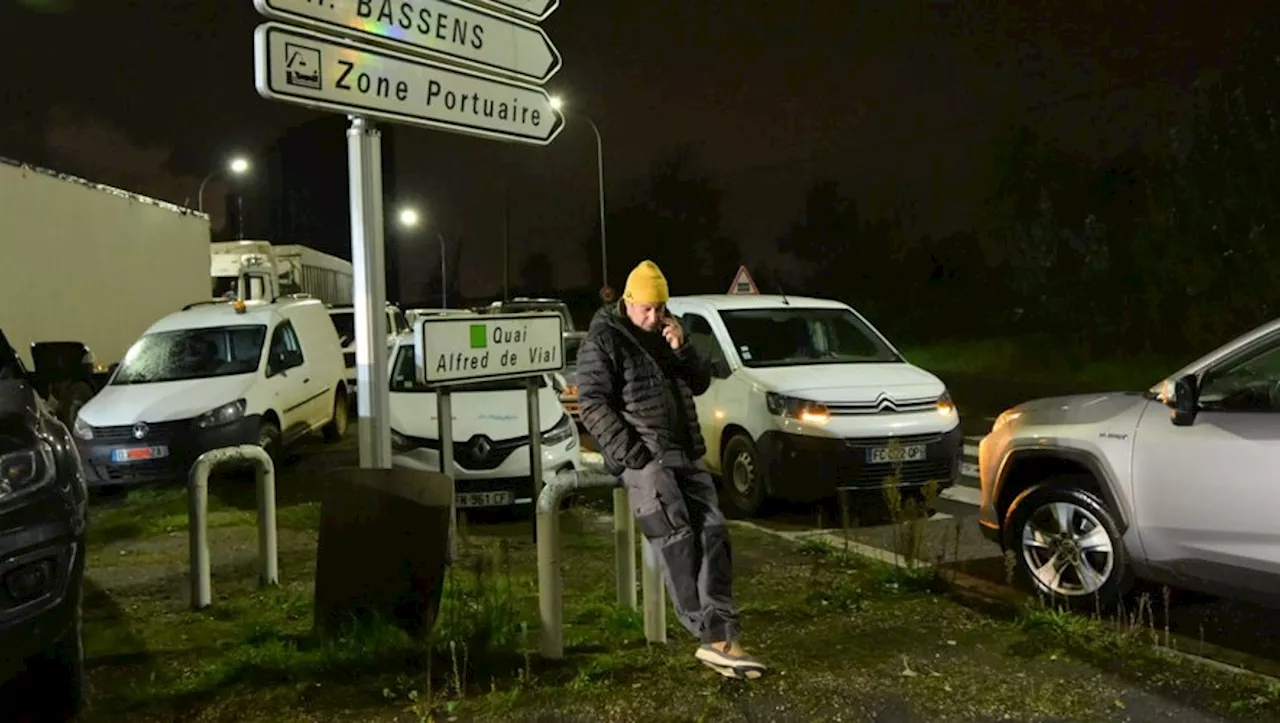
(262, 271)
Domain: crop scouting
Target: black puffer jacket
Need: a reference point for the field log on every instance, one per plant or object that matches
(628, 404)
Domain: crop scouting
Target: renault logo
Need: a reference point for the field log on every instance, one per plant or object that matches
(140, 430)
(481, 447)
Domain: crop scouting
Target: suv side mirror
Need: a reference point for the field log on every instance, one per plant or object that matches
(1186, 401)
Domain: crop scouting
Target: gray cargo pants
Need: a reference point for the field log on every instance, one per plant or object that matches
(675, 504)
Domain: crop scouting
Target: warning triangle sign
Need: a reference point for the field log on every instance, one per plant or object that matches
(743, 284)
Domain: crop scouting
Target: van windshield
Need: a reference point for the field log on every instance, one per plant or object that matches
(404, 379)
(797, 336)
(344, 322)
(170, 356)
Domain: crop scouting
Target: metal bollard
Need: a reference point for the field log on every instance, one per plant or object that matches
(550, 582)
(198, 517)
(624, 548)
(655, 595)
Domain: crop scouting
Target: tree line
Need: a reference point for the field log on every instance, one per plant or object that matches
(1168, 250)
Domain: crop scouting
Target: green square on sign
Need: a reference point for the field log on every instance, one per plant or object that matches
(478, 336)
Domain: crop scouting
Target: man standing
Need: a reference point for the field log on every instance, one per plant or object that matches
(637, 378)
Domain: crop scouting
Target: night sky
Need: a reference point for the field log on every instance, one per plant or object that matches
(899, 99)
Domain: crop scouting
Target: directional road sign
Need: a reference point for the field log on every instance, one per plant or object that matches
(452, 29)
(465, 348)
(311, 69)
(535, 10)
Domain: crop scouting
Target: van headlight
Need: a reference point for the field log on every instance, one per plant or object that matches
(559, 433)
(803, 410)
(26, 469)
(945, 406)
(226, 414)
(81, 429)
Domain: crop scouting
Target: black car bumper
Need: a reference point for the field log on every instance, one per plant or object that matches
(806, 469)
(182, 441)
(41, 573)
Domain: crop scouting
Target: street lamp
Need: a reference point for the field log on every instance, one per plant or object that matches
(238, 166)
(557, 103)
(409, 217)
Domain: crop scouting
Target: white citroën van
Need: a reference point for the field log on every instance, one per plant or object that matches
(807, 398)
(215, 374)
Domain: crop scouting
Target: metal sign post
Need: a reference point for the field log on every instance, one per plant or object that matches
(465, 348)
(446, 66)
(444, 426)
(368, 256)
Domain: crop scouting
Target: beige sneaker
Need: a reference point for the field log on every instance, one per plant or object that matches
(729, 659)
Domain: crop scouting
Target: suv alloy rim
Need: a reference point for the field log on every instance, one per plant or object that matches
(1067, 549)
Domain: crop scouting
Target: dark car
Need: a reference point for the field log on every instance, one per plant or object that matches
(43, 517)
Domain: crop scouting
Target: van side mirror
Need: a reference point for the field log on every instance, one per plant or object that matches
(1186, 401)
(720, 369)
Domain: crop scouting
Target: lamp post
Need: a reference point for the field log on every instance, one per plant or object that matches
(410, 218)
(558, 103)
(237, 166)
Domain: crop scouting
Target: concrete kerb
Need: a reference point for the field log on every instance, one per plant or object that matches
(198, 517)
(1012, 600)
(550, 581)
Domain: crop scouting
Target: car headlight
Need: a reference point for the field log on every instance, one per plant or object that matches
(226, 414)
(25, 469)
(559, 433)
(945, 406)
(802, 410)
(82, 429)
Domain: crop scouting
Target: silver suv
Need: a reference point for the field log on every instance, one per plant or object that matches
(1180, 485)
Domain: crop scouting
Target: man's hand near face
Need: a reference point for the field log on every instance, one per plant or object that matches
(673, 332)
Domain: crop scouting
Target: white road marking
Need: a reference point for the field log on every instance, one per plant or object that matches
(969, 469)
(971, 450)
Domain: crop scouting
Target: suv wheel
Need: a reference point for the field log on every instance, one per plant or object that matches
(1067, 545)
(743, 481)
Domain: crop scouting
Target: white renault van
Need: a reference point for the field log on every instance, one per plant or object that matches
(490, 432)
(216, 374)
(808, 398)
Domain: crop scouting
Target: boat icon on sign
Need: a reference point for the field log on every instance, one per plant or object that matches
(302, 66)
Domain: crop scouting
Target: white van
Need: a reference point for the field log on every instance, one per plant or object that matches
(808, 398)
(344, 321)
(216, 374)
(490, 432)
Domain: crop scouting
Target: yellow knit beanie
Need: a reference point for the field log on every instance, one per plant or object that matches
(646, 285)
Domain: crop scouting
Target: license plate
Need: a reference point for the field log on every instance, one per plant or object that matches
(901, 453)
(138, 454)
(483, 499)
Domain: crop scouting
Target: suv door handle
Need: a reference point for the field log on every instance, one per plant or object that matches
(307, 380)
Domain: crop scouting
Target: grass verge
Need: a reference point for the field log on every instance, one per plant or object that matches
(842, 634)
(1043, 360)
